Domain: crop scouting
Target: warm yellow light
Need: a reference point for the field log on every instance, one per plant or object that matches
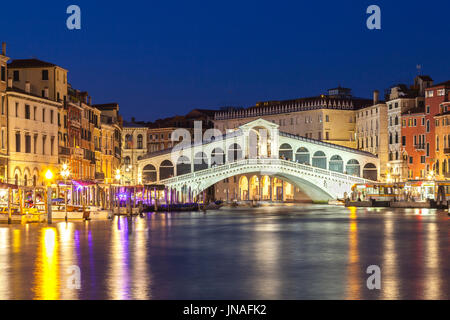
(118, 175)
(49, 175)
(65, 167)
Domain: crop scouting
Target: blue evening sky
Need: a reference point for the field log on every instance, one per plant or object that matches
(161, 58)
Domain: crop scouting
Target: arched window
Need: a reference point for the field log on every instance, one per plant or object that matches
(200, 162)
(234, 153)
(353, 168)
(319, 160)
(396, 120)
(183, 166)
(166, 170)
(370, 172)
(336, 164)
(127, 161)
(128, 142)
(140, 142)
(302, 156)
(149, 174)
(217, 157)
(286, 152)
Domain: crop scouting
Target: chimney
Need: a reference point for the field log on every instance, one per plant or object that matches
(10, 82)
(27, 87)
(376, 97)
(90, 100)
(4, 48)
(46, 92)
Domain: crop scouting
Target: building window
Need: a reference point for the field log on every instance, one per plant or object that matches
(404, 141)
(43, 115)
(140, 142)
(428, 125)
(51, 116)
(428, 109)
(35, 144)
(428, 149)
(44, 74)
(27, 112)
(411, 160)
(52, 143)
(17, 109)
(3, 73)
(17, 141)
(16, 76)
(44, 138)
(28, 143)
(429, 93)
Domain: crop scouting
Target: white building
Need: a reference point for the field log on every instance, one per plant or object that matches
(32, 137)
(134, 148)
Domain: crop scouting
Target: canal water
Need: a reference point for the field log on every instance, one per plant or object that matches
(289, 252)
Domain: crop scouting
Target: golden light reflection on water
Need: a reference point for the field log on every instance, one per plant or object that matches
(47, 271)
(432, 288)
(354, 268)
(4, 264)
(389, 286)
(68, 258)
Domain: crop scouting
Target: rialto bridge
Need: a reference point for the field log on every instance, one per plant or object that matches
(321, 170)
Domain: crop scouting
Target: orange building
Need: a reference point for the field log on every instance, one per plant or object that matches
(436, 98)
(413, 142)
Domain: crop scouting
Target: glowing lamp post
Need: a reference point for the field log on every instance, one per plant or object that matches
(65, 173)
(49, 178)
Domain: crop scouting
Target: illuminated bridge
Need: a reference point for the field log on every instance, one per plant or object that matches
(321, 170)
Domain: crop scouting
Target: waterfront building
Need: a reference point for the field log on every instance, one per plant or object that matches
(372, 132)
(3, 114)
(329, 118)
(400, 99)
(413, 142)
(111, 127)
(437, 103)
(134, 148)
(32, 136)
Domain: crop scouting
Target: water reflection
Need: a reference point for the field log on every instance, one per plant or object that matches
(47, 270)
(118, 273)
(389, 269)
(354, 267)
(4, 264)
(300, 252)
(433, 278)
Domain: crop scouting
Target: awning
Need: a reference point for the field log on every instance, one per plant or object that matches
(7, 186)
(84, 183)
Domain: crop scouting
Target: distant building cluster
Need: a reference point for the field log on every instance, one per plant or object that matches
(45, 123)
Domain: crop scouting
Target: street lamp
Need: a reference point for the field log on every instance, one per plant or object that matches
(49, 178)
(65, 173)
(118, 175)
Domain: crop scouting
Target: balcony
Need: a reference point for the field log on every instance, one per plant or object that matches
(420, 146)
(63, 151)
(99, 176)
